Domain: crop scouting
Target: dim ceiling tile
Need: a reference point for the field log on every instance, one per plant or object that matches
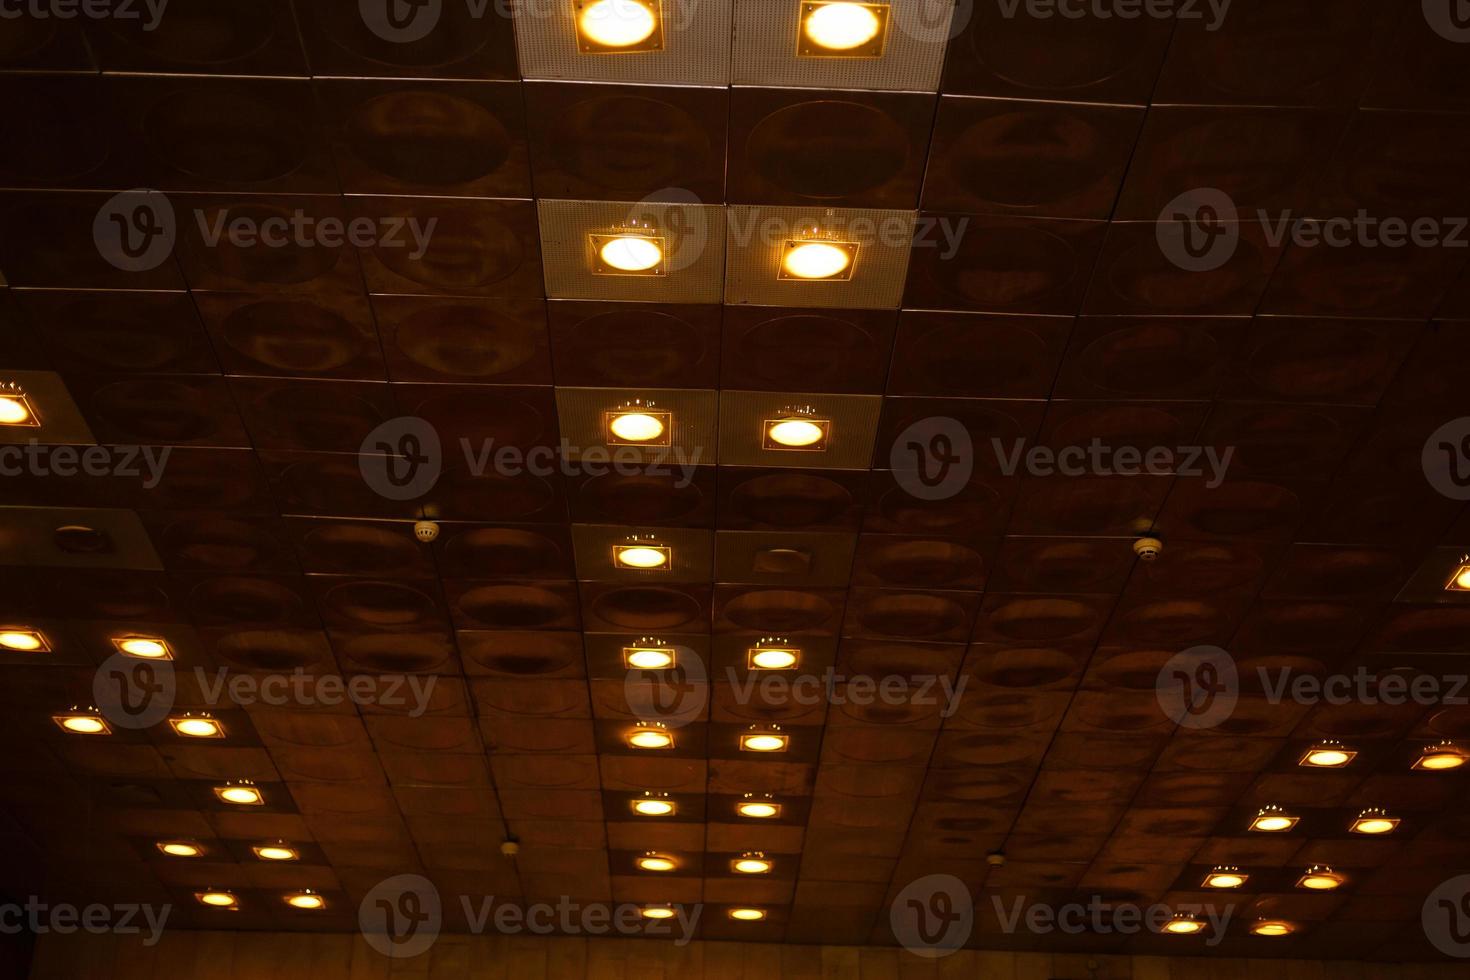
(977, 355)
(305, 336)
(46, 44)
(807, 349)
(201, 37)
(346, 38)
(144, 332)
(464, 340)
(65, 133)
(601, 344)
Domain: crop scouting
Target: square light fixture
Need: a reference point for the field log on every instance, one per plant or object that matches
(196, 726)
(15, 408)
(796, 431)
(653, 861)
(654, 805)
(1272, 928)
(1441, 756)
(1460, 580)
(240, 794)
(775, 656)
(1320, 878)
(83, 722)
(1327, 755)
(218, 899)
(843, 29)
(618, 26)
(637, 425)
(180, 848)
(764, 739)
(747, 914)
(24, 640)
(752, 863)
(306, 900)
(629, 254)
(649, 657)
(653, 735)
(817, 260)
(1225, 877)
(762, 807)
(1374, 821)
(1273, 820)
(642, 557)
(143, 647)
(275, 852)
(1184, 924)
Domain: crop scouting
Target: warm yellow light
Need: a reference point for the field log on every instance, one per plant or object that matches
(641, 556)
(1374, 822)
(1184, 925)
(747, 915)
(142, 647)
(1460, 581)
(636, 427)
(275, 852)
(1320, 879)
(83, 724)
(651, 738)
(616, 23)
(1223, 878)
(657, 862)
(841, 26)
(1272, 821)
(763, 742)
(240, 795)
(15, 410)
(1272, 928)
(180, 849)
(816, 260)
(631, 253)
(219, 900)
(1328, 755)
(751, 864)
(796, 433)
(306, 900)
(772, 659)
(24, 641)
(1440, 757)
(653, 808)
(658, 912)
(758, 809)
(197, 727)
(648, 658)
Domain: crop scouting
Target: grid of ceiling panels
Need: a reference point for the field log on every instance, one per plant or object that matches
(1054, 143)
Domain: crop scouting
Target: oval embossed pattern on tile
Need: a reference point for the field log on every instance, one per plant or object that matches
(272, 650)
(631, 348)
(795, 352)
(1041, 618)
(155, 410)
(623, 143)
(791, 500)
(1021, 667)
(237, 601)
(380, 605)
(361, 549)
(513, 606)
(465, 341)
(215, 542)
(294, 336)
(639, 499)
(1056, 55)
(949, 361)
(931, 564)
(911, 615)
(466, 251)
(225, 135)
(215, 32)
(499, 552)
(644, 607)
(1149, 358)
(430, 138)
(266, 266)
(399, 653)
(828, 149)
(778, 609)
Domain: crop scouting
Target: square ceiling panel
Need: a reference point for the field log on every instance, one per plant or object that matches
(833, 257)
(652, 42)
(659, 253)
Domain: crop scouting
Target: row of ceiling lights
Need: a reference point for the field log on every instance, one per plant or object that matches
(835, 29)
(640, 422)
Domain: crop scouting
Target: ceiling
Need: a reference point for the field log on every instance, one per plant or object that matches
(1052, 144)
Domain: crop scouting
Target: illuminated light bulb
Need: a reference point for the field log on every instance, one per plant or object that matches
(1184, 925)
(658, 912)
(753, 863)
(83, 724)
(1374, 821)
(142, 647)
(197, 727)
(1272, 927)
(218, 900)
(651, 737)
(631, 253)
(1437, 758)
(306, 900)
(240, 795)
(641, 556)
(637, 427)
(1273, 820)
(1320, 879)
(764, 742)
(841, 26)
(15, 410)
(758, 809)
(616, 23)
(180, 848)
(1328, 755)
(772, 658)
(1460, 581)
(653, 807)
(796, 433)
(275, 852)
(747, 915)
(24, 641)
(656, 862)
(648, 658)
(815, 260)
(1223, 877)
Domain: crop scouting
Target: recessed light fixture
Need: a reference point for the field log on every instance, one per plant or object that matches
(612, 26)
(628, 254)
(1441, 756)
(1320, 878)
(218, 899)
(1183, 924)
(1273, 820)
(15, 407)
(180, 848)
(637, 423)
(817, 261)
(764, 738)
(651, 735)
(1225, 877)
(772, 653)
(654, 805)
(1272, 927)
(649, 655)
(842, 29)
(751, 863)
(1460, 580)
(642, 555)
(243, 793)
(83, 721)
(797, 430)
(652, 861)
(143, 647)
(658, 911)
(276, 852)
(1374, 821)
(306, 899)
(1327, 755)
(747, 914)
(762, 807)
(24, 641)
(194, 726)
